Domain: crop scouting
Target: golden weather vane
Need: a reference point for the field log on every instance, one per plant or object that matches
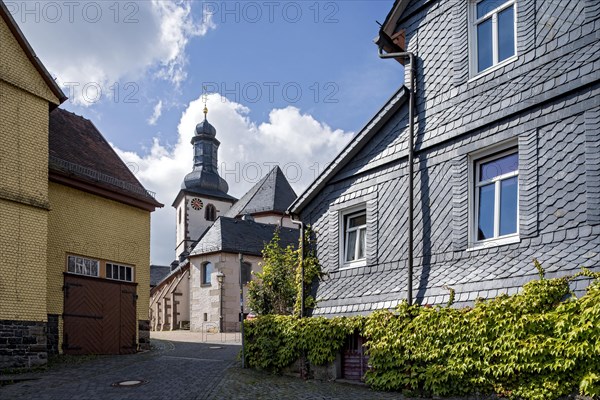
(205, 99)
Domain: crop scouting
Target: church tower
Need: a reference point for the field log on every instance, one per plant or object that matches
(203, 195)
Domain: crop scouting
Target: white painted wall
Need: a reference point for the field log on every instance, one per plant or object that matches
(193, 222)
(197, 224)
(273, 219)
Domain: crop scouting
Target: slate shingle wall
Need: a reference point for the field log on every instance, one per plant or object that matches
(547, 102)
(592, 163)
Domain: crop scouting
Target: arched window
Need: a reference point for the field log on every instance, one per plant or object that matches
(179, 215)
(206, 272)
(210, 213)
(246, 272)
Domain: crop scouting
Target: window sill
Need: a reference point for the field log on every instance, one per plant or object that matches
(205, 285)
(353, 264)
(490, 243)
(492, 68)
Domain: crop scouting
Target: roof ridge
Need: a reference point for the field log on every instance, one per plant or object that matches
(251, 193)
(275, 170)
(279, 193)
(17, 33)
(354, 145)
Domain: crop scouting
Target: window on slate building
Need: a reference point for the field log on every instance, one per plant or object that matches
(206, 272)
(354, 237)
(496, 198)
(210, 213)
(492, 33)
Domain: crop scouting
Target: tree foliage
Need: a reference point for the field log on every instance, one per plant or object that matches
(278, 288)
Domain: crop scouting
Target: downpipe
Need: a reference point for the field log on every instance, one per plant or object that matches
(301, 225)
(410, 146)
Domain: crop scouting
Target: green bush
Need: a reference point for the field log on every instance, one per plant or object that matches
(538, 344)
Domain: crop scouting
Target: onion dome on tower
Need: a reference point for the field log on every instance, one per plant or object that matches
(204, 178)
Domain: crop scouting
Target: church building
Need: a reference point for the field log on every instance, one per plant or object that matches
(219, 242)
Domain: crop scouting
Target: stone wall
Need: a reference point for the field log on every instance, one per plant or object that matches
(204, 300)
(22, 344)
(52, 334)
(144, 334)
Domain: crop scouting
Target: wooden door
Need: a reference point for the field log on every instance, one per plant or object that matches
(127, 339)
(99, 316)
(354, 360)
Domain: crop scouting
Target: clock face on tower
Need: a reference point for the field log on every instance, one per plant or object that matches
(196, 203)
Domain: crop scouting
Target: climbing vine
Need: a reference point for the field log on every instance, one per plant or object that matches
(538, 344)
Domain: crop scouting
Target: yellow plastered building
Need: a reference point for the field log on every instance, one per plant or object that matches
(74, 223)
(27, 93)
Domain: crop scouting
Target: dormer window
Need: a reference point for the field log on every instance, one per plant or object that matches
(492, 33)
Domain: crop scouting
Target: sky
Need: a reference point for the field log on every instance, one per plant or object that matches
(287, 83)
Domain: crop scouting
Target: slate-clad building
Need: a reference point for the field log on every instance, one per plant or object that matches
(506, 158)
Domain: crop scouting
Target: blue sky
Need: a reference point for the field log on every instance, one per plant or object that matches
(302, 74)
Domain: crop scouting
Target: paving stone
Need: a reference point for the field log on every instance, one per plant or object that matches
(173, 370)
(248, 384)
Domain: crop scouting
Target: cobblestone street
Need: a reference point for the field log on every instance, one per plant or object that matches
(249, 384)
(174, 370)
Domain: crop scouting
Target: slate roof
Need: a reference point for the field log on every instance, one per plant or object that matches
(352, 148)
(394, 13)
(158, 273)
(181, 268)
(273, 193)
(238, 236)
(204, 192)
(78, 149)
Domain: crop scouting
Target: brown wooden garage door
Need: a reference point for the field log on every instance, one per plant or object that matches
(99, 316)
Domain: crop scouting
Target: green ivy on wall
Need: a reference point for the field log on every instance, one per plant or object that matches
(538, 344)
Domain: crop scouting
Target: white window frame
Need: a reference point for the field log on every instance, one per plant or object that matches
(344, 264)
(83, 258)
(113, 264)
(472, 33)
(475, 159)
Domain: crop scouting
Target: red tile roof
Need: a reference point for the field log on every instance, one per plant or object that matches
(78, 149)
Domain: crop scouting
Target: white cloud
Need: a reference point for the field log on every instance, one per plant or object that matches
(156, 113)
(298, 143)
(93, 45)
